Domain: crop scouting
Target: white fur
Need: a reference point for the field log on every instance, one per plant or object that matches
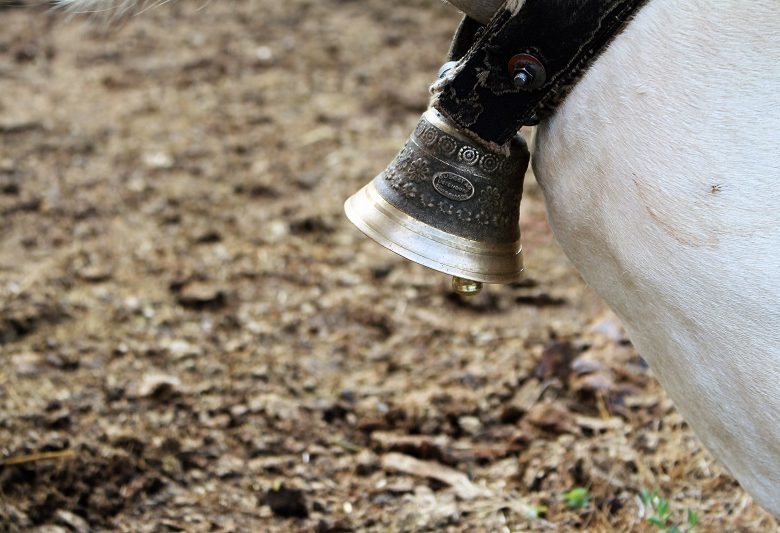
(480, 10)
(113, 8)
(662, 181)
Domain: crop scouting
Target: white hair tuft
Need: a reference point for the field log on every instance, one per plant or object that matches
(110, 8)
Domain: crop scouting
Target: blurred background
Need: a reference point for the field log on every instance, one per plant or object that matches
(193, 337)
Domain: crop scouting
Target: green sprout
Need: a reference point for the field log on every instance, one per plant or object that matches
(660, 514)
(577, 498)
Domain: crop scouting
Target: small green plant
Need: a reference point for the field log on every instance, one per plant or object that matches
(660, 515)
(577, 498)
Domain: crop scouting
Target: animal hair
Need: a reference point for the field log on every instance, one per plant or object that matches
(111, 9)
(668, 207)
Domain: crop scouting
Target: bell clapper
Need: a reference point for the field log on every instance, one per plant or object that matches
(466, 287)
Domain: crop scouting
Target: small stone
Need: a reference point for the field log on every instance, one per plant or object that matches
(95, 273)
(157, 386)
(264, 54)
(137, 184)
(198, 294)
(27, 364)
(229, 466)
(181, 349)
(277, 231)
(72, 521)
(470, 424)
(158, 160)
(238, 411)
(50, 528)
(367, 463)
(585, 364)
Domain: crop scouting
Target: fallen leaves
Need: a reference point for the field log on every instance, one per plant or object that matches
(553, 417)
(183, 303)
(522, 401)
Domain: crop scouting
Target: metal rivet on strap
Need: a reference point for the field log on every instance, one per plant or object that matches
(527, 72)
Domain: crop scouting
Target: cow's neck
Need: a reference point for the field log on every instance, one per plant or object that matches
(660, 176)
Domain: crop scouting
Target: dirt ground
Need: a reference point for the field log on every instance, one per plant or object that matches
(193, 338)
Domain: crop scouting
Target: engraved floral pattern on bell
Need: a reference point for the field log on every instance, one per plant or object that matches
(408, 189)
(406, 172)
(491, 207)
(418, 170)
(506, 166)
(452, 150)
(489, 163)
(448, 145)
(468, 155)
(451, 182)
(421, 127)
(489, 198)
(429, 137)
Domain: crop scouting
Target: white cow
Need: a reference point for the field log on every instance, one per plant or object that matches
(661, 173)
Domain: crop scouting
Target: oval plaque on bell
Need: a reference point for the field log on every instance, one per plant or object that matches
(453, 186)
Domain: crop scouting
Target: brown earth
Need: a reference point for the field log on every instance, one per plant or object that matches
(193, 338)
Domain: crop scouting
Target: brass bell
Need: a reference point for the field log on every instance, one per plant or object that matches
(450, 203)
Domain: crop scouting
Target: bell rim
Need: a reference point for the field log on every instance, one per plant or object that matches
(431, 247)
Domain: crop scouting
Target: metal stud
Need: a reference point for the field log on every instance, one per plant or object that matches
(527, 72)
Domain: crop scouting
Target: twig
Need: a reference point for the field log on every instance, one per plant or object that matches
(34, 457)
(464, 488)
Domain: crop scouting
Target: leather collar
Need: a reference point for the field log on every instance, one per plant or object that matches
(515, 70)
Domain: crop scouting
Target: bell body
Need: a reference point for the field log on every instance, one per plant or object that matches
(449, 203)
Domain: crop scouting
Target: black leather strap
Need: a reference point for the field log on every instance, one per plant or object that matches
(465, 37)
(564, 35)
